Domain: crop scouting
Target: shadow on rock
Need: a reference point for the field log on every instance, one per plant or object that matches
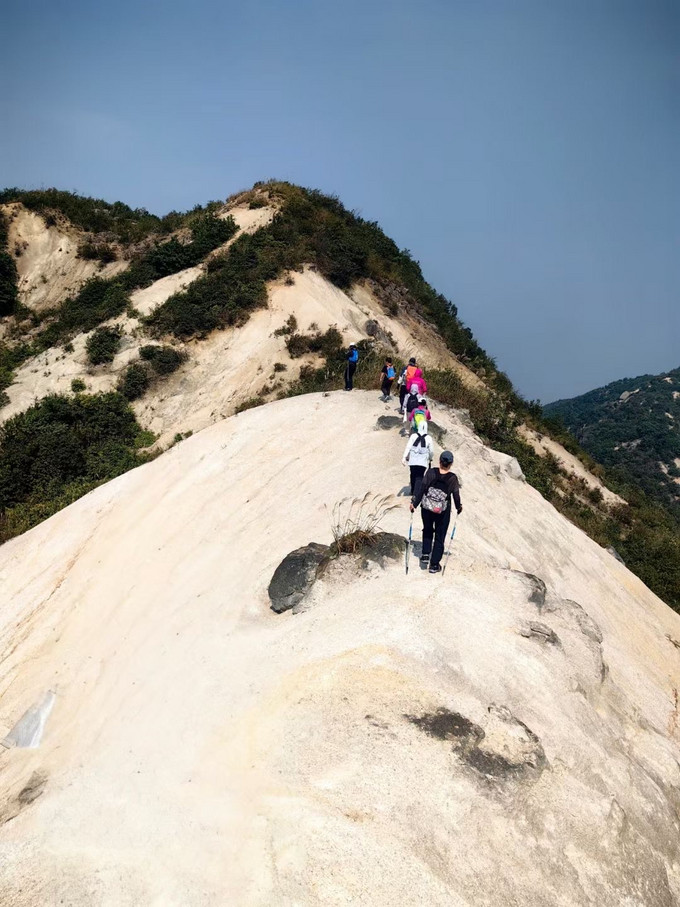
(505, 749)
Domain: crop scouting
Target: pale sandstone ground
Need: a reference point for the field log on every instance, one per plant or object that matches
(49, 267)
(204, 751)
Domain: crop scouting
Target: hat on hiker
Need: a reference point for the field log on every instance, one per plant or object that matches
(423, 401)
(412, 360)
(352, 346)
(446, 458)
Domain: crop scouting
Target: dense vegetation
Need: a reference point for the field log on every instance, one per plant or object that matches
(8, 274)
(126, 224)
(60, 449)
(102, 345)
(632, 426)
(163, 359)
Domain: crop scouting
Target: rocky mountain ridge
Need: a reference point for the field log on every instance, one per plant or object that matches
(507, 734)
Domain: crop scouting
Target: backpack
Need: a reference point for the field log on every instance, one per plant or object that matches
(390, 372)
(419, 418)
(411, 402)
(436, 500)
(408, 375)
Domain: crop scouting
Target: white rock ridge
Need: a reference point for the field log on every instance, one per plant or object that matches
(505, 735)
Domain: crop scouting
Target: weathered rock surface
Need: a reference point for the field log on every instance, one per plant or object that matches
(295, 575)
(399, 743)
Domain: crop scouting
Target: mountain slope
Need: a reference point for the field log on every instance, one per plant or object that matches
(633, 425)
(235, 304)
(408, 739)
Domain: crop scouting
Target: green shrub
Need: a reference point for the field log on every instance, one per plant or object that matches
(98, 300)
(103, 252)
(290, 327)
(103, 344)
(328, 344)
(9, 278)
(59, 449)
(251, 403)
(78, 386)
(134, 381)
(163, 359)
(95, 215)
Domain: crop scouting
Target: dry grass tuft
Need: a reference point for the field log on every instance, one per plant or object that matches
(355, 521)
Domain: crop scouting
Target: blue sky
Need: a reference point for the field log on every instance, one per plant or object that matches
(526, 151)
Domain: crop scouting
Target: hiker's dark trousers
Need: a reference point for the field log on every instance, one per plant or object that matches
(386, 386)
(349, 375)
(437, 525)
(402, 395)
(417, 473)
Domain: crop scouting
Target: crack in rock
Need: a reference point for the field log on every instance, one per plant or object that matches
(537, 630)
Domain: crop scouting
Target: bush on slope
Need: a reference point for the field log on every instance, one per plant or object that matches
(9, 293)
(98, 216)
(58, 450)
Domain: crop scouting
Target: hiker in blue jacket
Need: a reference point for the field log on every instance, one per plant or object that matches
(351, 367)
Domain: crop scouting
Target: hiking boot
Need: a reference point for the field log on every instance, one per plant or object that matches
(424, 558)
(435, 568)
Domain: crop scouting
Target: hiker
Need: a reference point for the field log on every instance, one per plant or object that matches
(418, 455)
(351, 367)
(404, 382)
(411, 402)
(420, 414)
(419, 379)
(387, 374)
(434, 494)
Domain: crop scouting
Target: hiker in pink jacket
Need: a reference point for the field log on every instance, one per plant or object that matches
(419, 380)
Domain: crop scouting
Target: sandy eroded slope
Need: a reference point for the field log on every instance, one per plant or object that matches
(230, 366)
(407, 740)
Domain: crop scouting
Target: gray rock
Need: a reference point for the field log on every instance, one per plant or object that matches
(537, 630)
(295, 576)
(614, 553)
(437, 432)
(514, 470)
(388, 422)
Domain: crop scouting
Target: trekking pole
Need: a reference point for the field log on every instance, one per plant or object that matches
(453, 532)
(408, 543)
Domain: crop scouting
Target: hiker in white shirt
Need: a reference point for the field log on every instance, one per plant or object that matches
(418, 455)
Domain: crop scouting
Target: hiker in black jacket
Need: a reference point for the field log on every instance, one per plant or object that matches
(436, 489)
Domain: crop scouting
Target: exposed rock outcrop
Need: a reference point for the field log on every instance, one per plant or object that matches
(399, 742)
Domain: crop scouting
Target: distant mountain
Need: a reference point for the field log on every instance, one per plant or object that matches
(633, 425)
